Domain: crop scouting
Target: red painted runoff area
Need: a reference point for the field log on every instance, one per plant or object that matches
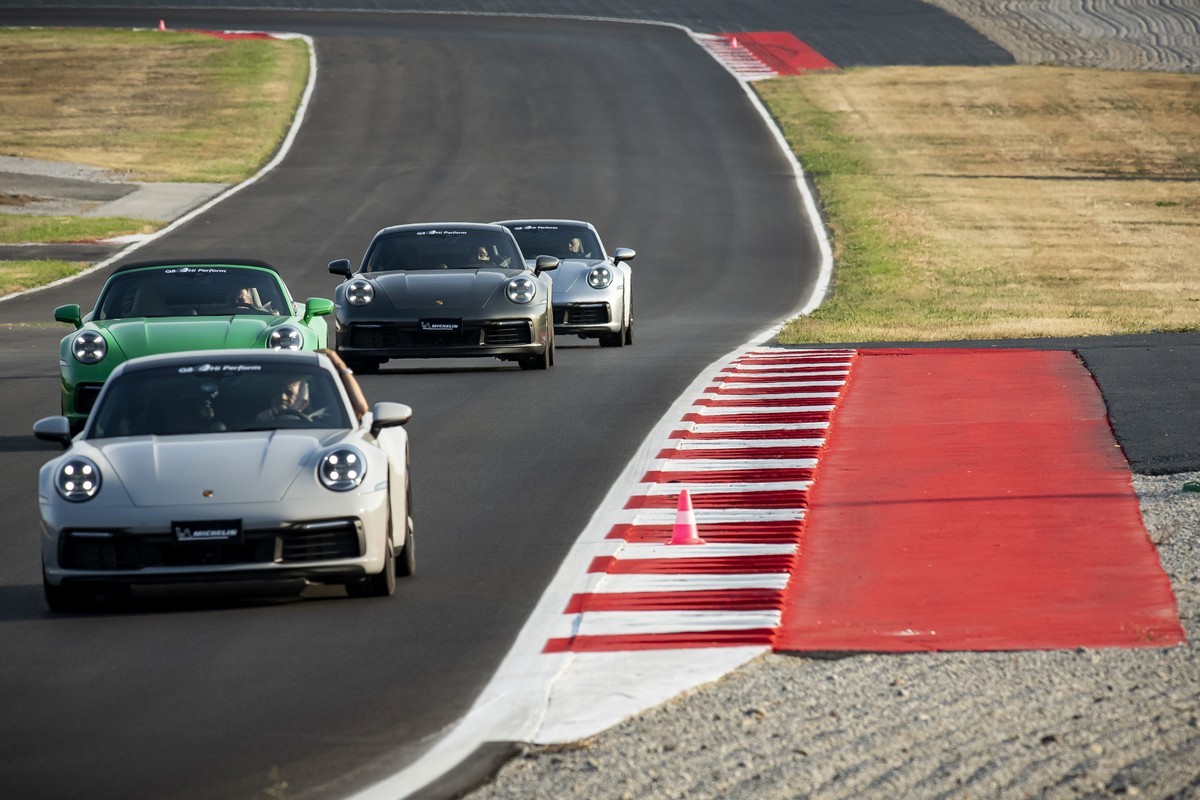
(781, 51)
(974, 500)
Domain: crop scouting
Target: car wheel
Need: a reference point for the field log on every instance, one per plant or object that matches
(612, 339)
(68, 598)
(382, 584)
(629, 328)
(542, 361)
(406, 562)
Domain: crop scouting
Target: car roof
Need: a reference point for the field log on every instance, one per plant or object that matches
(235, 356)
(562, 222)
(196, 262)
(418, 226)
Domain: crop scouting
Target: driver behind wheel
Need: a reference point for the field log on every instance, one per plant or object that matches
(289, 400)
(246, 299)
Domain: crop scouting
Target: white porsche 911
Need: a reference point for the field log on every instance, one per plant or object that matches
(226, 465)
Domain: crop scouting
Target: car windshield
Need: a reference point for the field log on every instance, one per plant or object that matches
(560, 241)
(185, 291)
(222, 397)
(446, 248)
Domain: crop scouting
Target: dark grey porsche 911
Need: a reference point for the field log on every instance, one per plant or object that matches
(446, 289)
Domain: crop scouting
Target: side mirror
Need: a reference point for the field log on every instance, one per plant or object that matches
(544, 264)
(53, 429)
(623, 254)
(317, 307)
(388, 415)
(341, 267)
(69, 314)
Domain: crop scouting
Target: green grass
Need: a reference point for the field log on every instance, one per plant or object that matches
(24, 228)
(18, 275)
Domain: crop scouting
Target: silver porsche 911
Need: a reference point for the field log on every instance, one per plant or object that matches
(436, 290)
(593, 293)
(226, 465)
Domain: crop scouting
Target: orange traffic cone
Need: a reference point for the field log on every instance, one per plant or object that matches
(685, 522)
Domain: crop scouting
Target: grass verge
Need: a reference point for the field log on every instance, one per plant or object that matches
(158, 105)
(999, 202)
(20, 228)
(151, 105)
(16, 276)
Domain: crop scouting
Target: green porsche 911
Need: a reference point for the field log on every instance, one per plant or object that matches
(153, 307)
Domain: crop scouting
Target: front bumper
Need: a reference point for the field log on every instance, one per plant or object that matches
(503, 338)
(309, 540)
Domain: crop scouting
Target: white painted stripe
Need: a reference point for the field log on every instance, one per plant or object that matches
(616, 584)
(782, 384)
(641, 551)
(702, 445)
(736, 427)
(730, 400)
(717, 444)
(768, 365)
(616, 623)
(771, 372)
(781, 389)
(727, 410)
(713, 464)
(708, 516)
(655, 489)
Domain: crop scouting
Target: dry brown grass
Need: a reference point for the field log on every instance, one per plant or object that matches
(159, 105)
(1001, 202)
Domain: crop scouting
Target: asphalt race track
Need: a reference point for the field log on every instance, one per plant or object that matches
(213, 692)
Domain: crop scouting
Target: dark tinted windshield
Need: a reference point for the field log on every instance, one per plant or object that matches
(191, 291)
(218, 397)
(560, 241)
(444, 248)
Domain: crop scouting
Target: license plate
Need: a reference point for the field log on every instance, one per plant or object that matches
(441, 325)
(222, 530)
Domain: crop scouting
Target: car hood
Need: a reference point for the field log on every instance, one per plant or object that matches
(572, 271)
(452, 288)
(140, 337)
(255, 467)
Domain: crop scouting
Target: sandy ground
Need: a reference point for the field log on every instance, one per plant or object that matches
(1056, 724)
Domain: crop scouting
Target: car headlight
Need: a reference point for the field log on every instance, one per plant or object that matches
(521, 289)
(600, 277)
(77, 480)
(285, 337)
(359, 293)
(342, 470)
(89, 347)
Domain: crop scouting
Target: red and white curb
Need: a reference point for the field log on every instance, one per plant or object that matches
(631, 621)
(745, 452)
(737, 59)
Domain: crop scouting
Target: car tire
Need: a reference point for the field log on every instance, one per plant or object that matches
(383, 583)
(542, 361)
(629, 329)
(406, 562)
(67, 599)
(612, 339)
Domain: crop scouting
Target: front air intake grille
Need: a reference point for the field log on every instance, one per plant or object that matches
(582, 314)
(125, 552)
(322, 542)
(304, 543)
(508, 333)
